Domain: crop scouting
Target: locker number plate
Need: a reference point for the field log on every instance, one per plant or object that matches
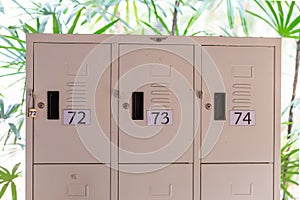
(242, 118)
(77, 117)
(159, 117)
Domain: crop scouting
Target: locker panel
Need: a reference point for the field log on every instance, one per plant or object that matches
(174, 182)
(163, 131)
(77, 182)
(76, 94)
(237, 181)
(246, 132)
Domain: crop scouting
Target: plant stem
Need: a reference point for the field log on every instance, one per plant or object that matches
(174, 22)
(291, 114)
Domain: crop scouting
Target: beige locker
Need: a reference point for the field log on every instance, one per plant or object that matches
(248, 78)
(69, 75)
(171, 183)
(237, 181)
(163, 74)
(76, 182)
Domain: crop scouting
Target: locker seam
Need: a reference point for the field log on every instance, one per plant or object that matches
(32, 143)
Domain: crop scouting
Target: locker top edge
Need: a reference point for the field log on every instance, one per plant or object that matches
(152, 39)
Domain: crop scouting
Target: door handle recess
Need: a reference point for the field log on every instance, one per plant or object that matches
(53, 104)
(137, 106)
(220, 106)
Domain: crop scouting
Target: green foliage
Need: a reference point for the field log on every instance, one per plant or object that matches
(289, 165)
(286, 24)
(1, 8)
(7, 179)
(281, 17)
(231, 14)
(129, 16)
(12, 120)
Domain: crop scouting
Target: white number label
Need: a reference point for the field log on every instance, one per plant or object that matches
(74, 117)
(159, 117)
(242, 118)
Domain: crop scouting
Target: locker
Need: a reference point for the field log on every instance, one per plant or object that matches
(157, 70)
(248, 80)
(120, 117)
(57, 72)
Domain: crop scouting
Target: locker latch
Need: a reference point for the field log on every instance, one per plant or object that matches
(31, 111)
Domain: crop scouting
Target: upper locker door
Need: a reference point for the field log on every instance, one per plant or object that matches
(155, 103)
(73, 81)
(246, 131)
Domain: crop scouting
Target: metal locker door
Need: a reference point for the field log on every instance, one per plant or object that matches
(174, 182)
(76, 182)
(248, 77)
(68, 80)
(237, 181)
(155, 103)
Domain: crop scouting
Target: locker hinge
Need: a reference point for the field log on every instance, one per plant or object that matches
(199, 94)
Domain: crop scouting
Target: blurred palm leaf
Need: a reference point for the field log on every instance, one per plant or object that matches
(7, 178)
(289, 166)
(285, 24)
(1, 8)
(104, 28)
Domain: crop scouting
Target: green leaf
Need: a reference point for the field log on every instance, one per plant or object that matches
(1, 109)
(286, 123)
(43, 25)
(71, 30)
(289, 15)
(164, 25)
(14, 170)
(5, 172)
(55, 24)
(38, 24)
(13, 48)
(242, 13)
(14, 130)
(6, 138)
(159, 18)
(127, 11)
(115, 12)
(13, 191)
(11, 110)
(13, 38)
(23, 8)
(195, 16)
(293, 24)
(11, 74)
(284, 188)
(274, 14)
(292, 181)
(258, 2)
(281, 14)
(152, 28)
(104, 28)
(294, 31)
(230, 13)
(3, 189)
(1, 8)
(136, 15)
(260, 17)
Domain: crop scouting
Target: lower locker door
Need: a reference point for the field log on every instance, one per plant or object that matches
(237, 182)
(171, 183)
(76, 182)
